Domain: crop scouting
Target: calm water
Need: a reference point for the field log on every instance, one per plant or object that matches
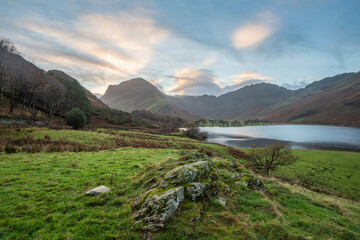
(296, 136)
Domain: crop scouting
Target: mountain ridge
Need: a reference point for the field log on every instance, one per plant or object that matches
(312, 104)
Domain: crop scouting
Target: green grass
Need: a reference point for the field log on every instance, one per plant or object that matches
(331, 172)
(42, 196)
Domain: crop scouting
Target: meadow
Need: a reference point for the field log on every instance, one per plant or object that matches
(330, 172)
(42, 194)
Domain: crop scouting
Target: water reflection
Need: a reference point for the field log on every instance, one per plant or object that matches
(296, 136)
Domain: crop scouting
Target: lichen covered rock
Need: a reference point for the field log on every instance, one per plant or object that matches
(156, 208)
(196, 179)
(196, 190)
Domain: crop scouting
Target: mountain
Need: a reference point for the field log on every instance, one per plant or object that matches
(27, 91)
(63, 77)
(247, 102)
(139, 94)
(98, 95)
(332, 100)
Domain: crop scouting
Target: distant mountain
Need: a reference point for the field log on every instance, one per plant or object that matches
(247, 102)
(333, 100)
(139, 94)
(98, 95)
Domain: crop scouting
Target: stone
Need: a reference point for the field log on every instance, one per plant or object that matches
(186, 173)
(245, 184)
(157, 208)
(222, 200)
(196, 190)
(257, 184)
(98, 190)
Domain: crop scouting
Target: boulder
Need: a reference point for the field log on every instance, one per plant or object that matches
(98, 190)
(187, 173)
(196, 190)
(222, 200)
(186, 185)
(251, 182)
(156, 208)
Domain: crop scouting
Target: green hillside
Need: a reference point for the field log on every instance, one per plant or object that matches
(43, 194)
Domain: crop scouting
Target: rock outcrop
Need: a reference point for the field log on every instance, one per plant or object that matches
(196, 179)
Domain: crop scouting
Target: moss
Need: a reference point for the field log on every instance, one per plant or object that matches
(247, 179)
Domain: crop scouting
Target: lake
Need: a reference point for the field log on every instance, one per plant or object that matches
(296, 136)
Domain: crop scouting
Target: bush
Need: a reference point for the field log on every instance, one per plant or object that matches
(192, 131)
(270, 157)
(75, 118)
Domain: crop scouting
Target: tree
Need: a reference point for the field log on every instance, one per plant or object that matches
(269, 158)
(192, 131)
(75, 118)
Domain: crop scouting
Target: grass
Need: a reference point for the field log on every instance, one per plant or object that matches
(42, 196)
(331, 172)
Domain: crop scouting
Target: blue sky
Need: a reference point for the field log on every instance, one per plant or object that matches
(187, 47)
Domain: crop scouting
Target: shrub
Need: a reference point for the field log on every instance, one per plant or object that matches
(75, 118)
(270, 157)
(12, 148)
(192, 131)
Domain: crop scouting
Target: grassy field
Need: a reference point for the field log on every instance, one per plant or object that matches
(331, 172)
(43, 195)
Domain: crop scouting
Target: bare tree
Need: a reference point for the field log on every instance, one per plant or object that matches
(4, 72)
(6, 47)
(269, 158)
(54, 98)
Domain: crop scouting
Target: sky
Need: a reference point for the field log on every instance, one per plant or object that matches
(187, 47)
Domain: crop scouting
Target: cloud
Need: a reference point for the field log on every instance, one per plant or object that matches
(247, 78)
(212, 59)
(297, 85)
(191, 81)
(250, 75)
(157, 84)
(95, 47)
(253, 33)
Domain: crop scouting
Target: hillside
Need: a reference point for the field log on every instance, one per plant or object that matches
(45, 179)
(29, 92)
(333, 100)
(139, 94)
(63, 77)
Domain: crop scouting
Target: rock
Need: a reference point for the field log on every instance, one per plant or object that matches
(186, 173)
(222, 200)
(195, 156)
(194, 180)
(196, 190)
(98, 190)
(245, 184)
(251, 182)
(258, 185)
(157, 208)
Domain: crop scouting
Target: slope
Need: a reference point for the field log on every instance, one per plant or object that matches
(139, 94)
(333, 100)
